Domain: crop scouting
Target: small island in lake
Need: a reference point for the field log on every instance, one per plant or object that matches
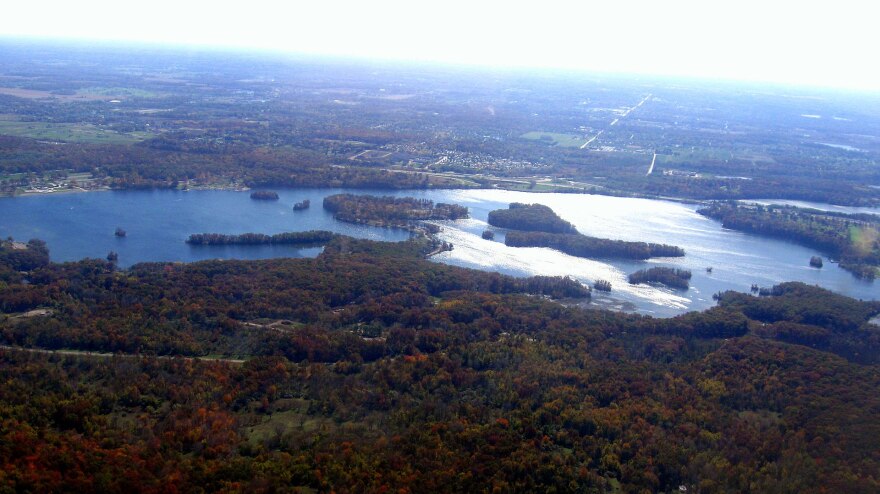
(120, 232)
(303, 205)
(264, 195)
(671, 277)
(536, 225)
(816, 262)
(602, 285)
(530, 218)
(392, 212)
(488, 235)
(309, 238)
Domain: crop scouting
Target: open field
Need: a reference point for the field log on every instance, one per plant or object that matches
(864, 239)
(562, 140)
(371, 154)
(118, 92)
(67, 132)
(36, 94)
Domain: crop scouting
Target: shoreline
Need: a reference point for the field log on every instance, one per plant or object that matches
(493, 186)
(78, 190)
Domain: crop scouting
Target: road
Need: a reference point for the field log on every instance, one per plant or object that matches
(651, 168)
(82, 353)
(591, 140)
(616, 120)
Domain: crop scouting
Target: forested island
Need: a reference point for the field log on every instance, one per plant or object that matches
(853, 239)
(583, 246)
(536, 225)
(264, 195)
(602, 285)
(302, 205)
(530, 217)
(671, 277)
(312, 237)
(386, 211)
(370, 369)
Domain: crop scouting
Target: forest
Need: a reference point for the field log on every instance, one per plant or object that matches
(369, 369)
(854, 240)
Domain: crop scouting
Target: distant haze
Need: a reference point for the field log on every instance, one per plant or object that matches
(805, 43)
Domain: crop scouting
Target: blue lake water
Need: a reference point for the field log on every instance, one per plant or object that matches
(158, 222)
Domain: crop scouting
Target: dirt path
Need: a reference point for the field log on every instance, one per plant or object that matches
(83, 353)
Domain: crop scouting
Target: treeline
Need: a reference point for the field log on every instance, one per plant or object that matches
(583, 246)
(671, 277)
(313, 237)
(264, 195)
(780, 185)
(854, 240)
(142, 166)
(390, 211)
(17, 256)
(811, 316)
(530, 217)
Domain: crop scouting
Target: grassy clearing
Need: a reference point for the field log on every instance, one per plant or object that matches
(864, 239)
(562, 140)
(682, 156)
(67, 132)
(119, 92)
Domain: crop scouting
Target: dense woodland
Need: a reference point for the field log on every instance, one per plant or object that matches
(530, 217)
(369, 369)
(853, 239)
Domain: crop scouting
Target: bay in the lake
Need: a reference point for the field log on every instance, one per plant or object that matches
(157, 222)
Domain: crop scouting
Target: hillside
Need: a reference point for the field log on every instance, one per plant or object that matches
(370, 369)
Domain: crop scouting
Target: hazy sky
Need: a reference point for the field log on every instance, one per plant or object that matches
(828, 43)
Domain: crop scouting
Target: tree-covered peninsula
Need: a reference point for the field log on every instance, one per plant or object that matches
(853, 239)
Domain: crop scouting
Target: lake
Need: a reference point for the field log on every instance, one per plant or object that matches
(158, 222)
